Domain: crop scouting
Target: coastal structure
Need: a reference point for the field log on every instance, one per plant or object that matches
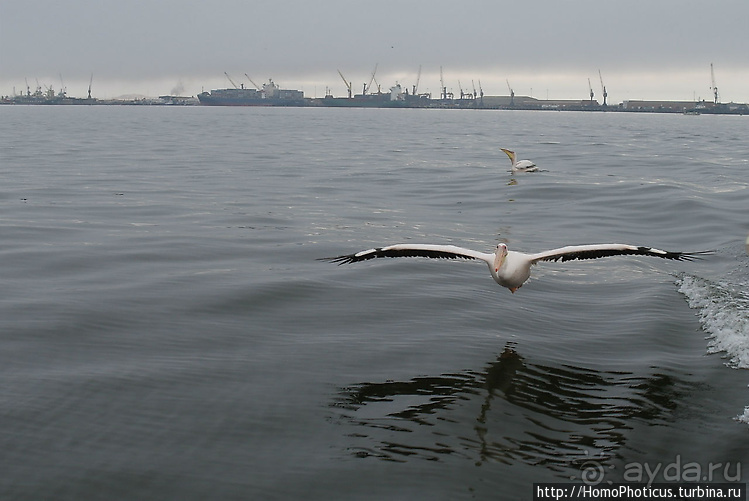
(688, 107)
(270, 94)
(49, 96)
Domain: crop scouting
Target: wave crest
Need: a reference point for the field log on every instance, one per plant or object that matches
(724, 315)
(723, 310)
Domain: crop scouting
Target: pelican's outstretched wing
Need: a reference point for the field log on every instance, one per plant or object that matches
(596, 251)
(412, 250)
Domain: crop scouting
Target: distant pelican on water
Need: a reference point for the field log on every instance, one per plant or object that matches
(510, 268)
(522, 165)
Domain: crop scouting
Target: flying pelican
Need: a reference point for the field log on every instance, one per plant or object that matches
(510, 268)
(522, 165)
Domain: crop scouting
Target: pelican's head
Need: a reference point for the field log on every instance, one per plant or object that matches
(499, 256)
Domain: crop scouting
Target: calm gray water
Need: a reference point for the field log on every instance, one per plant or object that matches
(166, 331)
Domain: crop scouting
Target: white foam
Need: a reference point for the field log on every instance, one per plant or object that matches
(723, 310)
(744, 418)
(724, 315)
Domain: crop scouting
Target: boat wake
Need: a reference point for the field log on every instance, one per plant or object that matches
(723, 310)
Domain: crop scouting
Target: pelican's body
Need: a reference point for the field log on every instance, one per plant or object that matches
(508, 268)
(522, 165)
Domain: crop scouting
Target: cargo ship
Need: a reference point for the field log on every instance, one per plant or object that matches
(270, 95)
(396, 98)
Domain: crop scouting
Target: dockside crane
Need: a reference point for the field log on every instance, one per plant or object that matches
(372, 79)
(512, 93)
(591, 91)
(418, 79)
(714, 87)
(348, 84)
(232, 81)
(253, 83)
(605, 94)
(63, 90)
(90, 81)
(443, 89)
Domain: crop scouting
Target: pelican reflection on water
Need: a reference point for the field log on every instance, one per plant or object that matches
(530, 413)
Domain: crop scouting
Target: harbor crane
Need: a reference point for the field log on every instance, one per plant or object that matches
(232, 81)
(591, 91)
(512, 93)
(253, 83)
(91, 80)
(443, 89)
(63, 89)
(605, 95)
(418, 79)
(445, 95)
(348, 84)
(714, 87)
(369, 85)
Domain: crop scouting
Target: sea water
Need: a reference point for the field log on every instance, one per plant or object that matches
(167, 331)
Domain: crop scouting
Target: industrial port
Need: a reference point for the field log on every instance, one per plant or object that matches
(397, 96)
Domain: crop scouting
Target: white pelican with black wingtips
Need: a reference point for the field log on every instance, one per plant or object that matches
(510, 268)
(520, 165)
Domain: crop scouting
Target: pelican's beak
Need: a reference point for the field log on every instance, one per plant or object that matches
(498, 262)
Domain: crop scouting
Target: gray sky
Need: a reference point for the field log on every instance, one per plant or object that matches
(645, 49)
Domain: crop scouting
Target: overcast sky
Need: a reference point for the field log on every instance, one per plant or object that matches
(644, 49)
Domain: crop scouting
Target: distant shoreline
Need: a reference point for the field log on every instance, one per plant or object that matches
(383, 101)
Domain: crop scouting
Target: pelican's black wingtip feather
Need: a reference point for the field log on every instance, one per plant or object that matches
(339, 260)
(353, 258)
(691, 256)
(676, 256)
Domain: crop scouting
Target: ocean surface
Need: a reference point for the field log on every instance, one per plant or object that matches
(167, 331)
